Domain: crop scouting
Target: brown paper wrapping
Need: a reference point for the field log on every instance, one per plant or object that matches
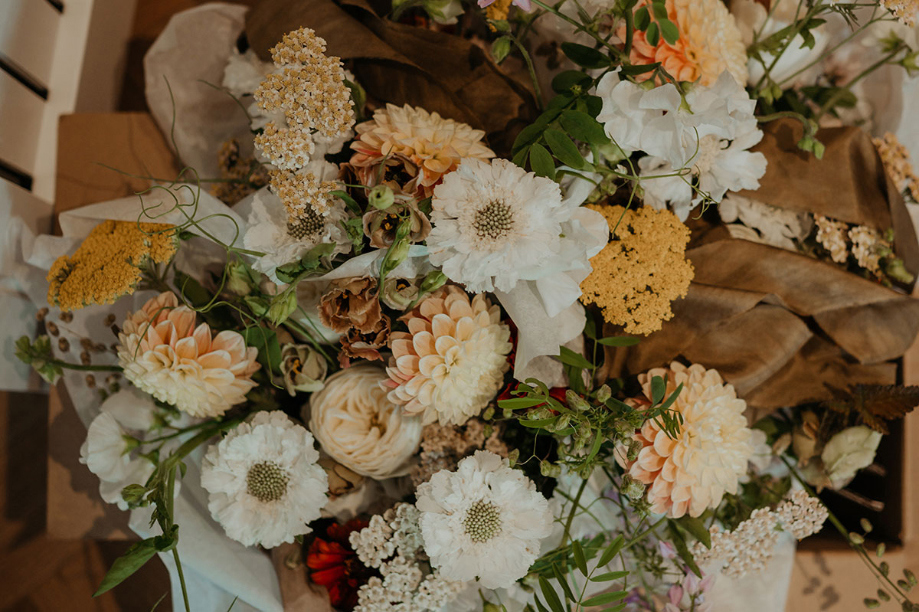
(403, 64)
(297, 592)
(781, 326)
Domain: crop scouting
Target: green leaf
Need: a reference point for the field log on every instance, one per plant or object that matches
(603, 599)
(669, 31)
(635, 70)
(653, 34)
(551, 596)
(541, 162)
(658, 389)
(672, 398)
(127, 564)
(538, 423)
(696, 528)
(569, 357)
(585, 56)
(518, 403)
(539, 605)
(579, 559)
(564, 149)
(595, 447)
(351, 202)
(521, 156)
(679, 542)
(610, 576)
(619, 341)
(583, 127)
(618, 608)
(660, 10)
(564, 583)
(611, 551)
(500, 48)
(642, 19)
(528, 136)
(192, 290)
(564, 81)
(269, 349)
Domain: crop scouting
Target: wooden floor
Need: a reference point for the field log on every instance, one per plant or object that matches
(38, 574)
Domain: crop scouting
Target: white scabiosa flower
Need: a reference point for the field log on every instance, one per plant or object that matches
(496, 224)
(485, 521)
(263, 481)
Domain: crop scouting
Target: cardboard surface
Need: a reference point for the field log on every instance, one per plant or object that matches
(132, 143)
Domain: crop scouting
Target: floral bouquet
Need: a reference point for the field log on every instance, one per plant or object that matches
(516, 306)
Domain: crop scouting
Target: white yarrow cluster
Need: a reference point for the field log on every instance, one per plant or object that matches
(392, 544)
(749, 547)
(484, 521)
(708, 132)
(264, 482)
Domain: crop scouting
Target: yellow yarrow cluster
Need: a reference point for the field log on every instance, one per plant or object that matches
(641, 271)
(895, 158)
(107, 264)
(498, 10)
(905, 11)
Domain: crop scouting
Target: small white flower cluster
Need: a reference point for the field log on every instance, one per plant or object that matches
(392, 543)
(760, 222)
(831, 235)
(867, 242)
(749, 547)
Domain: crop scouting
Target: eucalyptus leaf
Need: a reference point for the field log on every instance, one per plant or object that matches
(564, 148)
(131, 561)
(541, 161)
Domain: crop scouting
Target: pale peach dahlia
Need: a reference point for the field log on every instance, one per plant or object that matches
(426, 145)
(165, 355)
(692, 472)
(710, 43)
(452, 360)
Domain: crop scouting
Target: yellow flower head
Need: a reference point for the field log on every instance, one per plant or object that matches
(641, 270)
(108, 263)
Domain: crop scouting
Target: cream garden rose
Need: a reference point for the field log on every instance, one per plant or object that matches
(359, 427)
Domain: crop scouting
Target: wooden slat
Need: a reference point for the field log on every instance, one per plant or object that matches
(20, 124)
(28, 31)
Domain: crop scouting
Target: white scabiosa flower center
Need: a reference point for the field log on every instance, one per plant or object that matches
(266, 481)
(307, 224)
(483, 521)
(494, 220)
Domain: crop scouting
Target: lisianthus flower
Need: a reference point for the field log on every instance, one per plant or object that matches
(263, 481)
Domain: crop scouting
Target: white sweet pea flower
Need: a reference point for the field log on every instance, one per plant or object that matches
(622, 115)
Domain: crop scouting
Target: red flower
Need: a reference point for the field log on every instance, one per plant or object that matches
(334, 564)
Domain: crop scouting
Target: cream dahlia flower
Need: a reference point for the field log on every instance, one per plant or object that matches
(263, 481)
(359, 427)
(165, 355)
(710, 43)
(485, 521)
(428, 145)
(710, 454)
(452, 360)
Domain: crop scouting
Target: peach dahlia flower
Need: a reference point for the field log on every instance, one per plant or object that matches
(692, 472)
(164, 354)
(710, 43)
(452, 360)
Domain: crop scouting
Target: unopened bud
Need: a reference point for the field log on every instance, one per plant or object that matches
(381, 197)
(549, 469)
(576, 401)
(604, 393)
(282, 306)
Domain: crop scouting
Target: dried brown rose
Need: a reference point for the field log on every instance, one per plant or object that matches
(355, 345)
(351, 303)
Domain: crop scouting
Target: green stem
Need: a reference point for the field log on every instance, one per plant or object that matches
(85, 368)
(644, 533)
(531, 69)
(843, 90)
(574, 508)
(175, 556)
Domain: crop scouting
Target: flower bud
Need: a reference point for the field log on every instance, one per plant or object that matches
(381, 197)
(433, 281)
(604, 393)
(549, 469)
(238, 280)
(513, 457)
(282, 306)
(576, 401)
(258, 306)
(631, 488)
(634, 448)
(133, 493)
